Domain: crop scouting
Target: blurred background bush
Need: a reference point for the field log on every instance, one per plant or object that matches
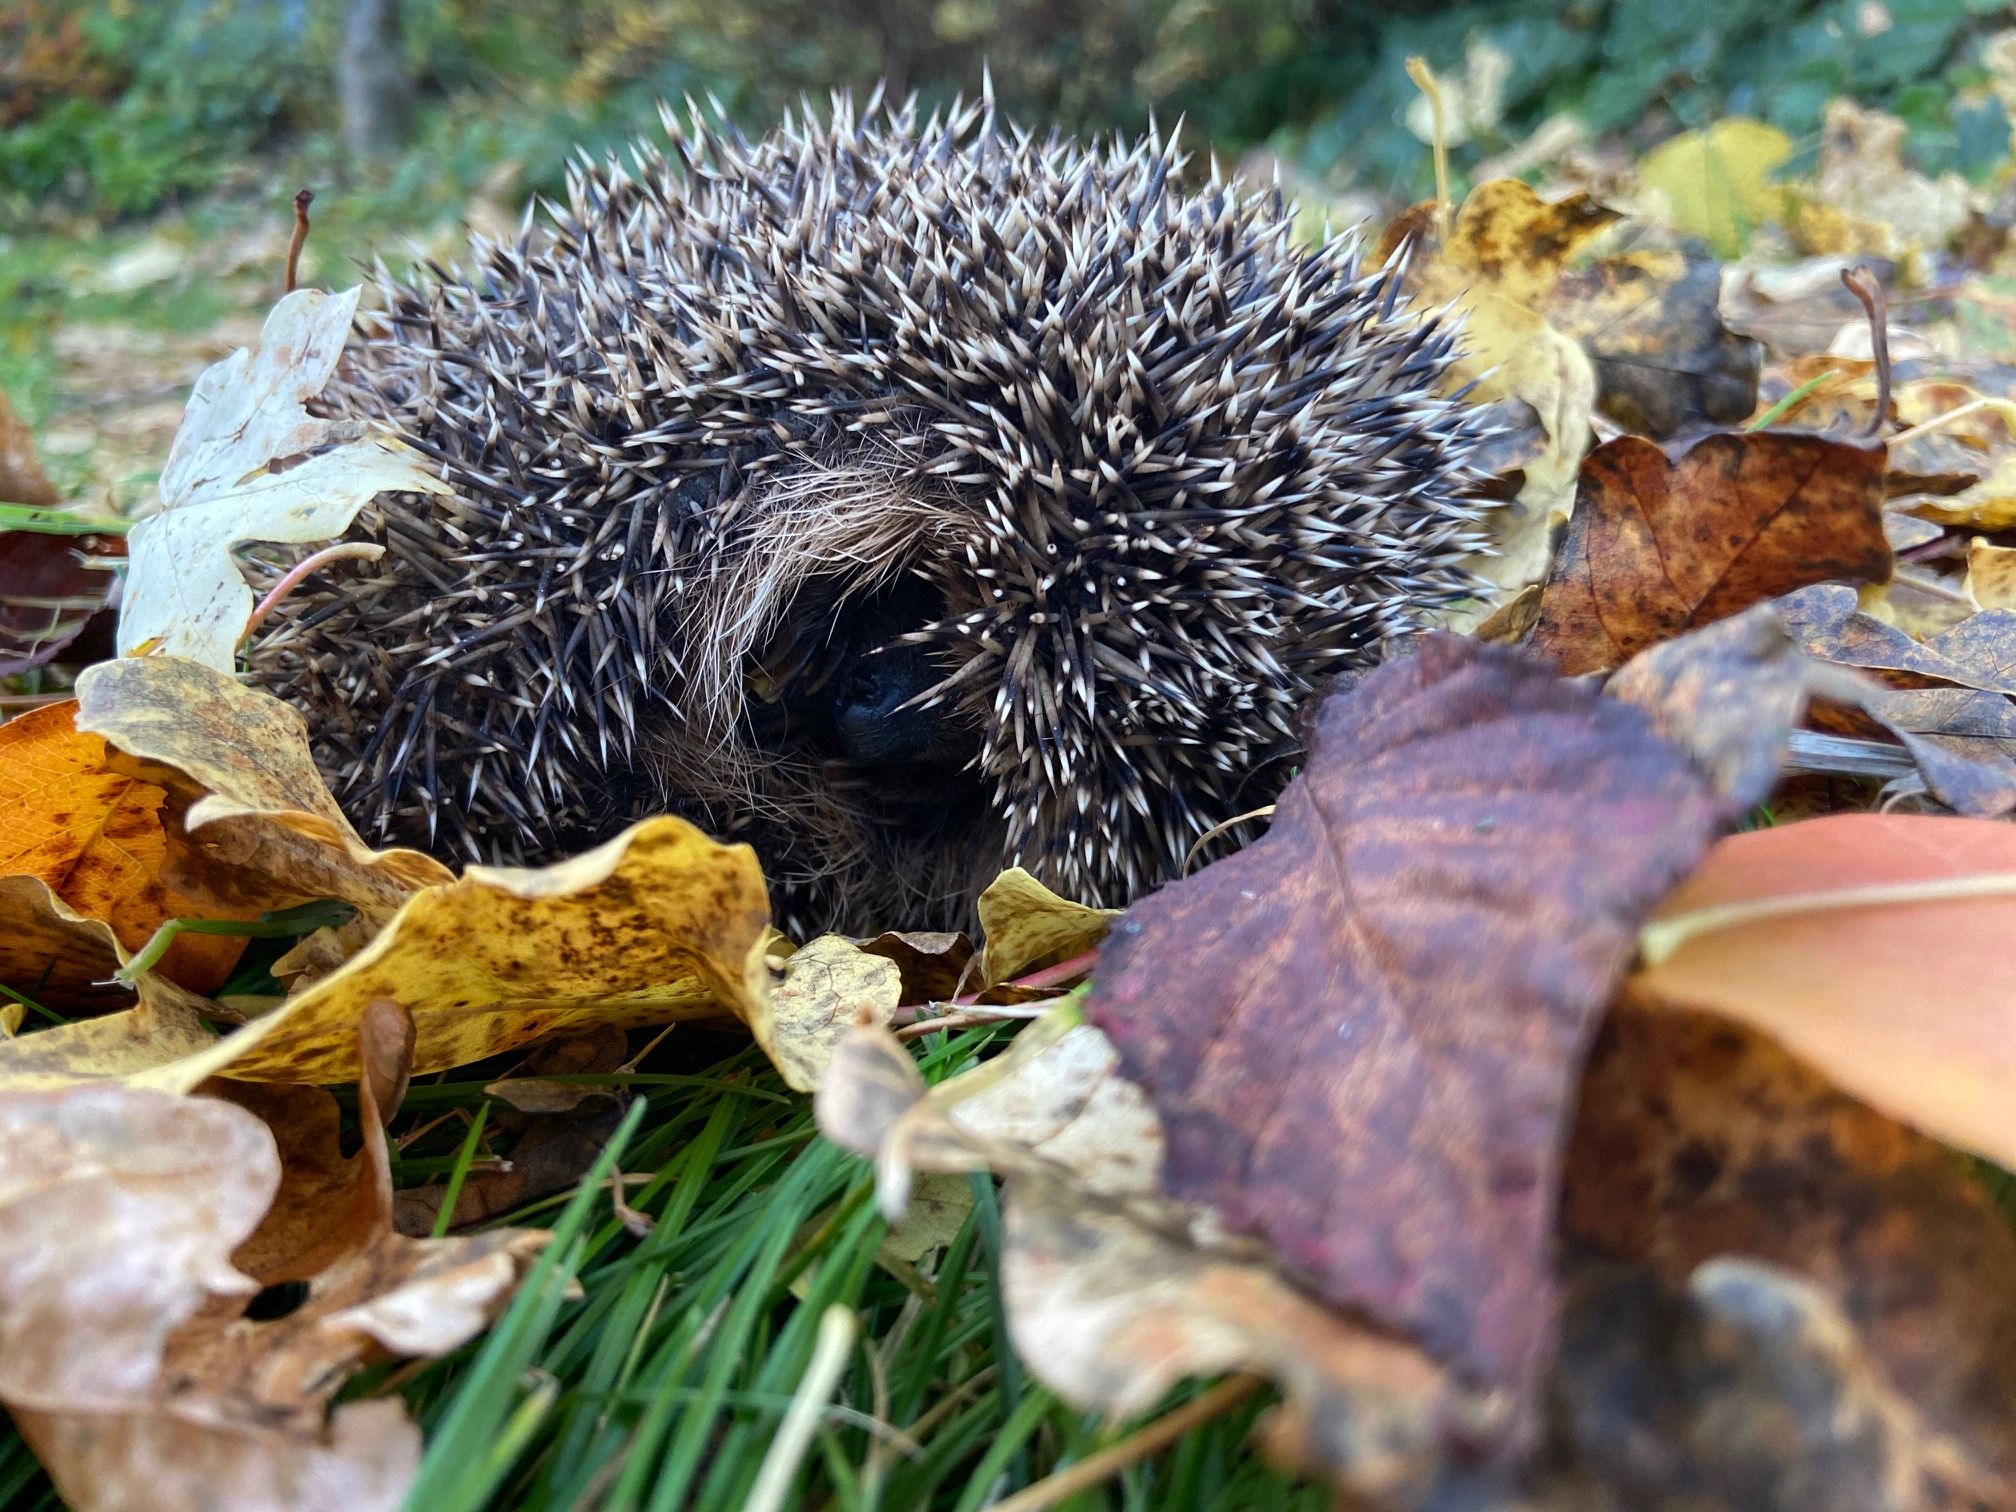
(116, 107)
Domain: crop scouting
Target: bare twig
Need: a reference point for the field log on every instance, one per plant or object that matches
(303, 198)
(1864, 286)
(362, 551)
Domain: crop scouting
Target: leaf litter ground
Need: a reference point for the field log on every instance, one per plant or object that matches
(1550, 1257)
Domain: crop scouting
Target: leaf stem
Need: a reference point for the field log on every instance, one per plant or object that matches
(1657, 941)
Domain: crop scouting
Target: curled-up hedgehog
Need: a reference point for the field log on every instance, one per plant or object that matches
(908, 497)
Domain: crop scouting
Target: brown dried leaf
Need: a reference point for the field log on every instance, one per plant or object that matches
(1652, 323)
(1657, 547)
(1730, 694)
(1113, 1292)
(1870, 1369)
(53, 586)
(933, 964)
(1410, 979)
(127, 1367)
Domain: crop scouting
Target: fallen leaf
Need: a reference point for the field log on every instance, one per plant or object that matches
(53, 954)
(55, 586)
(251, 464)
(22, 480)
(1719, 183)
(1025, 925)
(1656, 547)
(250, 823)
(1828, 620)
(1113, 1292)
(1652, 324)
(1506, 250)
(658, 924)
(1730, 694)
(95, 837)
(126, 1367)
(827, 987)
(1811, 1311)
(1991, 575)
(1817, 933)
(933, 964)
(1402, 971)
(1865, 197)
(141, 1044)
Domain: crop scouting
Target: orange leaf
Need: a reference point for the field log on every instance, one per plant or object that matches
(94, 836)
(1874, 946)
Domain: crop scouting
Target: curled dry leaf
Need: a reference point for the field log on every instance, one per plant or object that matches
(95, 836)
(933, 963)
(1362, 1032)
(1113, 1292)
(251, 464)
(49, 951)
(1657, 547)
(1875, 947)
(1782, 1300)
(660, 923)
(159, 1041)
(1025, 925)
(827, 987)
(128, 1370)
(249, 821)
(1730, 693)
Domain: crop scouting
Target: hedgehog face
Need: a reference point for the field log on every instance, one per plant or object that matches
(910, 498)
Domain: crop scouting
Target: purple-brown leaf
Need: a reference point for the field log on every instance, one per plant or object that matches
(1363, 1033)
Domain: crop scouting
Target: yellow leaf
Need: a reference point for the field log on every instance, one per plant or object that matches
(1027, 925)
(828, 987)
(661, 923)
(250, 823)
(1716, 184)
(1991, 575)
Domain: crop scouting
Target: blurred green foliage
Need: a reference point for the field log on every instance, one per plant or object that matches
(117, 106)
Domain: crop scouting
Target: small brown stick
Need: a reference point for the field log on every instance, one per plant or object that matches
(303, 198)
(362, 551)
(1863, 284)
(639, 1224)
(1131, 1450)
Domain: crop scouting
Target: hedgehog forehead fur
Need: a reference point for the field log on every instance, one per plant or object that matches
(1144, 469)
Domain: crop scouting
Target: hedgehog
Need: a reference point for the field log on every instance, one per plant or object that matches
(907, 496)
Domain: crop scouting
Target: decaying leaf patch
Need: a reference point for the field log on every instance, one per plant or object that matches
(129, 1367)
